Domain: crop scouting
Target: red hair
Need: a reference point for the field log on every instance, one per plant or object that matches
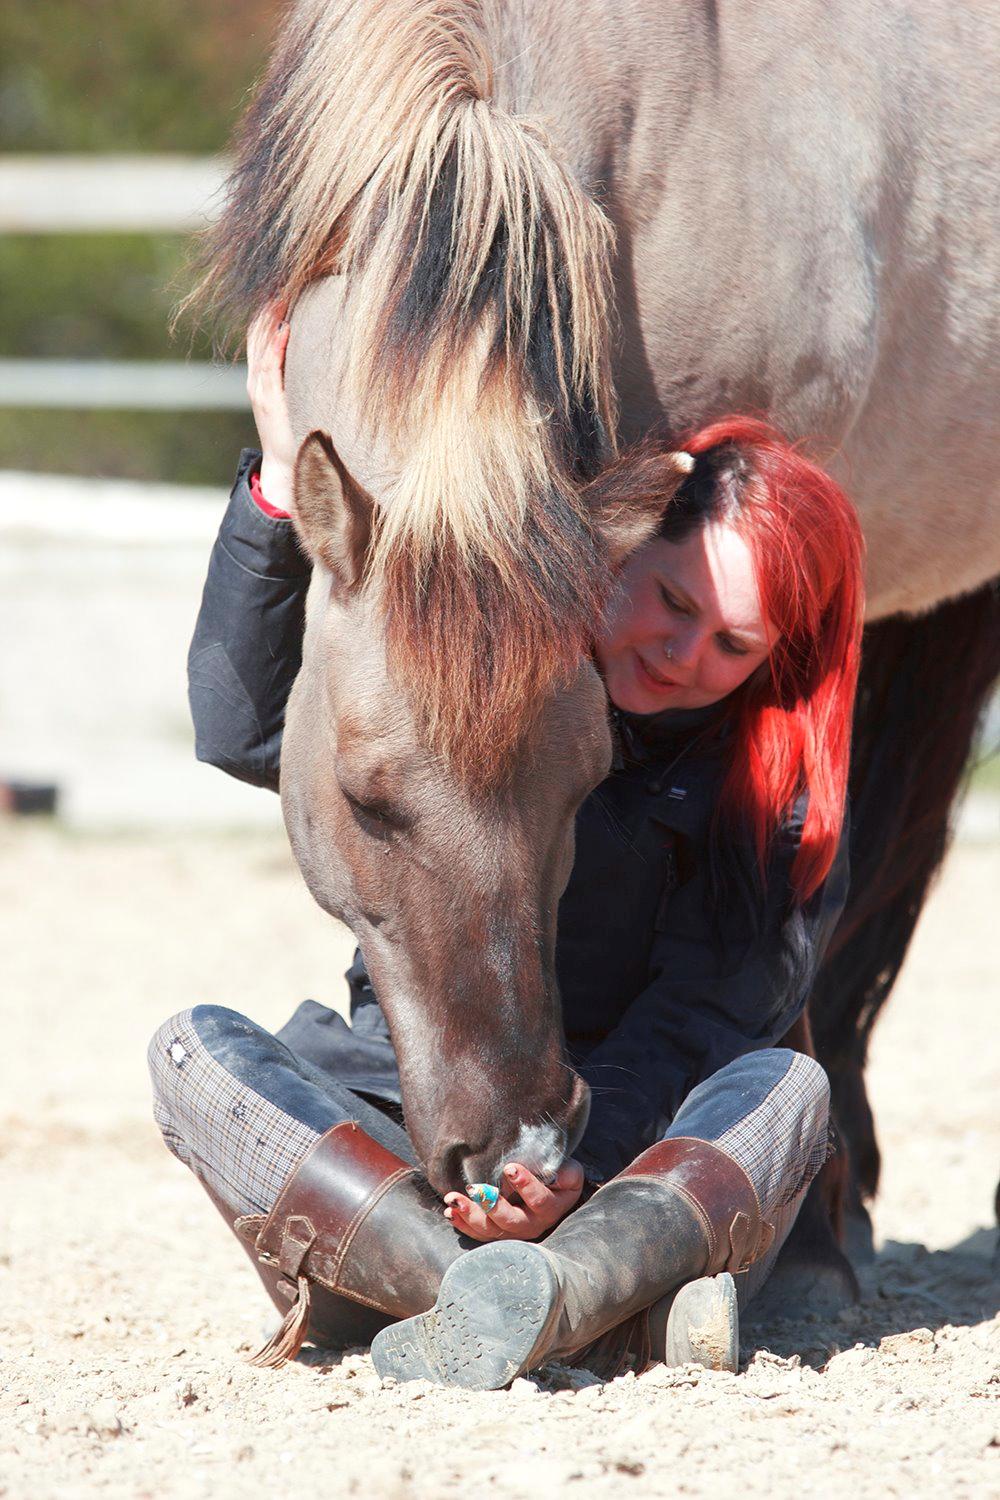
(792, 718)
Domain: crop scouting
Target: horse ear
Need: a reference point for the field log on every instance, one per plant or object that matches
(333, 514)
(629, 500)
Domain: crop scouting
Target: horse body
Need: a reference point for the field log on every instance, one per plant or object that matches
(807, 215)
(802, 227)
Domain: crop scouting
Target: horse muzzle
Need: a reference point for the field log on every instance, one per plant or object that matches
(540, 1145)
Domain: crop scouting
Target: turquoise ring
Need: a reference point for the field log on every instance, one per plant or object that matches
(485, 1194)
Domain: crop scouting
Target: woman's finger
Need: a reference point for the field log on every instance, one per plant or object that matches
(540, 1207)
(466, 1215)
(508, 1218)
(569, 1178)
(281, 345)
(266, 339)
(257, 335)
(505, 1218)
(537, 1198)
(273, 349)
(468, 1219)
(504, 1222)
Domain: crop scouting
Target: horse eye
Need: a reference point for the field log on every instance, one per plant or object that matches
(375, 817)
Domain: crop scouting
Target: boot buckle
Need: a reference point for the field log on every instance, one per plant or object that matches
(298, 1236)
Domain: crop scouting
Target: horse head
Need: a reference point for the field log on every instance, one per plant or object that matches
(448, 872)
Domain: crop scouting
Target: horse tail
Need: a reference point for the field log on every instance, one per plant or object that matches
(923, 688)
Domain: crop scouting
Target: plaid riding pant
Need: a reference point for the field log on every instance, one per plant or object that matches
(242, 1110)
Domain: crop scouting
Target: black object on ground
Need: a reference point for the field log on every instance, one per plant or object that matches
(24, 798)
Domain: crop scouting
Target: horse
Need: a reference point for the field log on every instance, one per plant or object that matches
(517, 238)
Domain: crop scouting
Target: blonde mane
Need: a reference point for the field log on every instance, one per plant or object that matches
(477, 278)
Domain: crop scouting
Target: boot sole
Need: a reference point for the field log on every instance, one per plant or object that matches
(495, 1308)
(703, 1325)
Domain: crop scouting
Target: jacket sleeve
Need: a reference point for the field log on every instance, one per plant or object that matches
(247, 645)
(698, 1013)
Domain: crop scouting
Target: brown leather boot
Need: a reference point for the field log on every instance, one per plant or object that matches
(356, 1238)
(334, 1322)
(683, 1209)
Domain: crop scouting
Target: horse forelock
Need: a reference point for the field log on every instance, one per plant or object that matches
(476, 311)
(373, 148)
(478, 651)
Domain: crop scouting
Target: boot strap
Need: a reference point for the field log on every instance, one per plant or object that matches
(321, 1207)
(719, 1193)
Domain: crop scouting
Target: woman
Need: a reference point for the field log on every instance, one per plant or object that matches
(710, 871)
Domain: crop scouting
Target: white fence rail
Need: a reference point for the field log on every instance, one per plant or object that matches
(82, 194)
(136, 385)
(94, 194)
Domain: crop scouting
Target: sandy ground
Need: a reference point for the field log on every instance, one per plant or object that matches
(127, 1310)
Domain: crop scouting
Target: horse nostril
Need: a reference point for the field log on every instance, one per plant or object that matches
(447, 1169)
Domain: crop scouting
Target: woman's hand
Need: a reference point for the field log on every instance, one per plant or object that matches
(267, 340)
(539, 1209)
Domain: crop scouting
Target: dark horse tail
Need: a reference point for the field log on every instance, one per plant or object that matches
(923, 688)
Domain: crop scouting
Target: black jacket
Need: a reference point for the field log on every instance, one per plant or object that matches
(662, 981)
(247, 645)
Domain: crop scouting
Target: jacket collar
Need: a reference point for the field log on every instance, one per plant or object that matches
(655, 739)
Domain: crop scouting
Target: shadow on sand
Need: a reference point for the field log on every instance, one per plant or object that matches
(905, 1287)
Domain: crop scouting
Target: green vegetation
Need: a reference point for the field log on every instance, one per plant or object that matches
(113, 76)
(101, 296)
(181, 447)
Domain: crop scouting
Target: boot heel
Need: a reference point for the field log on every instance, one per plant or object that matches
(496, 1306)
(703, 1325)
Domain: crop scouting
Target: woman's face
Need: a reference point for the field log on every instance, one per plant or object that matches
(686, 626)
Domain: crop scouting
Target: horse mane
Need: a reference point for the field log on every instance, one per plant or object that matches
(477, 295)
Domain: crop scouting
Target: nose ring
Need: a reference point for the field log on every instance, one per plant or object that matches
(669, 650)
